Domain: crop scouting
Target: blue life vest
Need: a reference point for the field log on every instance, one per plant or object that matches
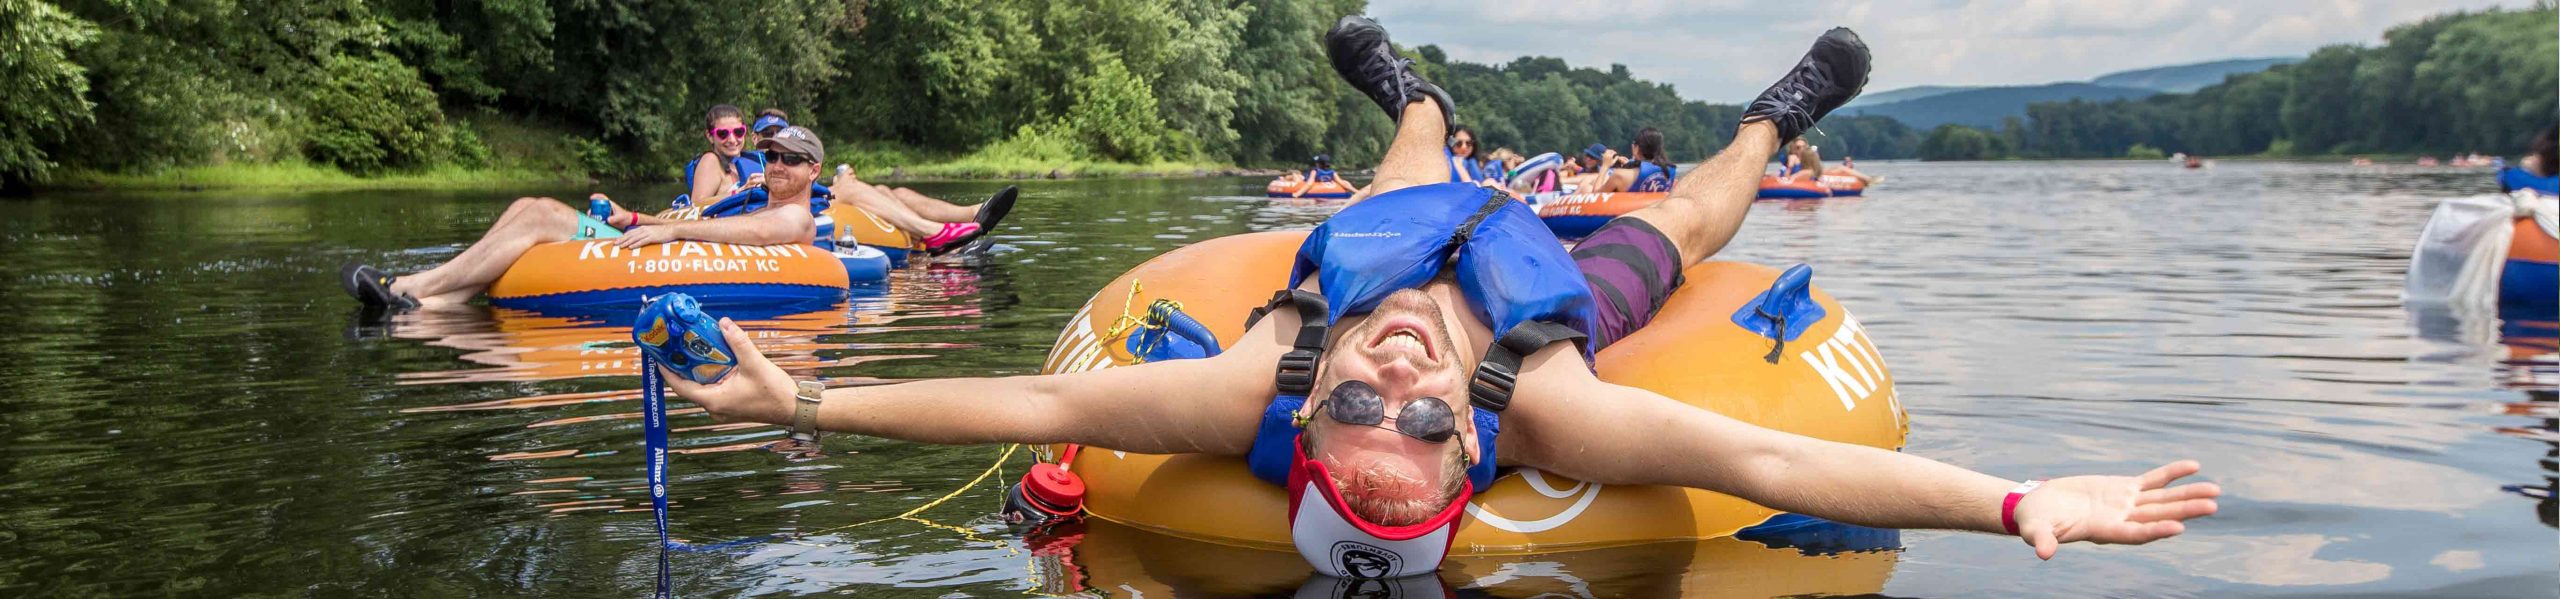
(746, 164)
(2514, 178)
(1322, 175)
(1514, 273)
(1653, 177)
(1462, 170)
(754, 198)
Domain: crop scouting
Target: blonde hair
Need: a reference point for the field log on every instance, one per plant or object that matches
(1384, 495)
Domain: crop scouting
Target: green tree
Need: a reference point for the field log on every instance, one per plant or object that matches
(941, 74)
(1115, 114)
(2457, 82)
(1958, 142)
(2494, 80)
(1286, 102)
(372, 112)
(2316, 107)
(44, 86)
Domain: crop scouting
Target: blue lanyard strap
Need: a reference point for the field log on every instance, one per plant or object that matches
(653, 416)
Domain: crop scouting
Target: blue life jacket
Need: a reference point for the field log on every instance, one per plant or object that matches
(1322, 175)
(1510, 267)
(754, 198)
(2514, 178)
(1653, 177)
(1462, 170)
(746, 164)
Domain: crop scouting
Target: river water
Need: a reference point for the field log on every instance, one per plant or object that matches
(185, 408)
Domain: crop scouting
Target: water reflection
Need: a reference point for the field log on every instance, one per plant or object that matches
(183, 411)
(2525, 346)
(1101, 557)
(518, 345)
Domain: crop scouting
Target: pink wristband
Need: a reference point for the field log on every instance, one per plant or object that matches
(2009, 505)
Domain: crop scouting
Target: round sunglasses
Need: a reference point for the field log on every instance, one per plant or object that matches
(1426, 419)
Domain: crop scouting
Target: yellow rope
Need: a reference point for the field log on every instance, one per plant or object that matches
(1157, 314)
(910, 514)
(1121, 325)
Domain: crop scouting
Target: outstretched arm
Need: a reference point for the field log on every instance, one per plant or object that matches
(776, 224)
(1208, 405)
(1574, 424)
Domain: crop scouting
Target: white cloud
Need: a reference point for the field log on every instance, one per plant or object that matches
(2275, 560)
(1727, 50)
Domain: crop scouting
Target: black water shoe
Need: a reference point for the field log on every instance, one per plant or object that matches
(1363, 56)
(369, 285)
(992, 212)
(1830, 74)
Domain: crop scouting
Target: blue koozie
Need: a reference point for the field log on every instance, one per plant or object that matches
(673, 331)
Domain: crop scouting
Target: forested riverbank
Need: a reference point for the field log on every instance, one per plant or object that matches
(337, 93)
(2461, 82)
(410, 93)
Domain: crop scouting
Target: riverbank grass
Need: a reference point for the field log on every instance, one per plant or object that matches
(300, 176)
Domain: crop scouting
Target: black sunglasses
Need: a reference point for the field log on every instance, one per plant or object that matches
(788, 158)
(1426, 419)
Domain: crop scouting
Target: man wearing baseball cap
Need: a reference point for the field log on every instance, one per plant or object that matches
(780, 212)
(771, 121)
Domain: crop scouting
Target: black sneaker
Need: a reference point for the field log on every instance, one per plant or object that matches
(1830, 74)
(369, 285)
(992, 212)
(1363, 56)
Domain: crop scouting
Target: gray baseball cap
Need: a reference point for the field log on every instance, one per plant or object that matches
(795, 139)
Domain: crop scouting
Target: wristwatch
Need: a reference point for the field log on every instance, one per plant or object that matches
(804, 420)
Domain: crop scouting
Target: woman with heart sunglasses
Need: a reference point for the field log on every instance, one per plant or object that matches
(726, 167)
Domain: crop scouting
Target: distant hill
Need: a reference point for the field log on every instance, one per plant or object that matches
(2190, 77)
(1928, 106)
(1985, 107)
(1908, 93)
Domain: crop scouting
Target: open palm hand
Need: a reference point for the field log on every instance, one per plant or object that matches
(2114, 510)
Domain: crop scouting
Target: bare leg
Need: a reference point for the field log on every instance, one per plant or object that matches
(871, 200)
(527, 222)
(1415, 157)
(929, 207)
(1706, 206)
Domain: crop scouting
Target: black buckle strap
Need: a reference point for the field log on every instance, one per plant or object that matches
(1297, 371)
(1467, 230)
(1499, 373)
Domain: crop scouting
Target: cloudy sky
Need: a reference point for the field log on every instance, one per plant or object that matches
(1728, 50)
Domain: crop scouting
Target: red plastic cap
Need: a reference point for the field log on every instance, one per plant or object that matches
(1054, 486)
